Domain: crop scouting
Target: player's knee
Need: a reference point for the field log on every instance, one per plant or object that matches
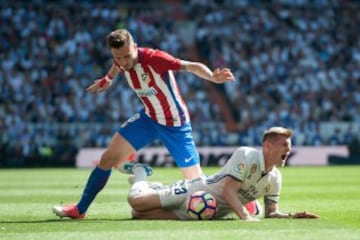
(135, 214)
(109, 159)
(137, 201)
(136, 196)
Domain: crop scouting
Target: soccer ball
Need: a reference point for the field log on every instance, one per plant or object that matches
(201, 206)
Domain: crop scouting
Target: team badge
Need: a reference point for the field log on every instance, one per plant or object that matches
(145, 78)
(240, 168)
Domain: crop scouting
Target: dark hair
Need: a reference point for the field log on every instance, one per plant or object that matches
(119, 38)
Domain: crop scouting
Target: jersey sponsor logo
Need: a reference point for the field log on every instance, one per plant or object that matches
(146, 92)
(249, 193)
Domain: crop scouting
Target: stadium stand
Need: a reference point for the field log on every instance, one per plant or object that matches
(297, 63)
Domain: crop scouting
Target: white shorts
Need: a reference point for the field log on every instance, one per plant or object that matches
(174, 197)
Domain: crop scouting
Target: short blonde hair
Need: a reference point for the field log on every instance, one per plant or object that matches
(276, 131)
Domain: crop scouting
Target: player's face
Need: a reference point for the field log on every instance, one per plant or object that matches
(126, 56)
(278, 150)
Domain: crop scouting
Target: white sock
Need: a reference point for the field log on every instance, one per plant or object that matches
(139, 173)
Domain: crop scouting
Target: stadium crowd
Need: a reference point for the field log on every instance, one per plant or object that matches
(297, 64)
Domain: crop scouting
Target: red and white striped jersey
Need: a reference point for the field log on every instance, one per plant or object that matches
(153, 81)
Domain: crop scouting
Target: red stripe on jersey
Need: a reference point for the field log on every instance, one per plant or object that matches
(145, 100)
(183, 104)
(161, 96)
(134, 79)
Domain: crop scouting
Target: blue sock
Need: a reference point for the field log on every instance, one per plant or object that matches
(95, 184)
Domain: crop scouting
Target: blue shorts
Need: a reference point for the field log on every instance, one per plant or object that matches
(140, 130)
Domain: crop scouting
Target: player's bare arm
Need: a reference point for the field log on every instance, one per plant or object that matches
(272, 211)
(201, 70)
(102, 84)
(230, 193)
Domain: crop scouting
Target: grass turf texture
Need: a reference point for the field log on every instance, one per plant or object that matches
(27, 195)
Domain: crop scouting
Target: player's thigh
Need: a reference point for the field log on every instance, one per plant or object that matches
(119, 150)
(120, 146)
(181, 145)
(138, 130)
(143, 198)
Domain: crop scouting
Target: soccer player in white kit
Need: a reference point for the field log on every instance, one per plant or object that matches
(248, 175)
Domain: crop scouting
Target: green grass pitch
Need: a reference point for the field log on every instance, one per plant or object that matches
(27, 195)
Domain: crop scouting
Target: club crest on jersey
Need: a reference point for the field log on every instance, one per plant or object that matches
(145, 78)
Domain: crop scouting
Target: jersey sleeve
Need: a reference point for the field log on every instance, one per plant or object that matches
(276, 181)
(162, 61)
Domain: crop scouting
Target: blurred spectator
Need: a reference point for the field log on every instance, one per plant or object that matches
(297, 64)
(335, 138)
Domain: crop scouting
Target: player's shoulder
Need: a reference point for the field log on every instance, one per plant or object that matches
(146, 53)
(247, 156)
(248, 152)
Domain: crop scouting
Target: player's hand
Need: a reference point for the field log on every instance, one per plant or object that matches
(222, 75)
(251, 219)
(304, 214)
(100, 85)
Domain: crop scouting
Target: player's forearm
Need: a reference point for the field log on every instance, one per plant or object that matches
(113, 71)
(199, 69)
(235, 204)
(241, 212)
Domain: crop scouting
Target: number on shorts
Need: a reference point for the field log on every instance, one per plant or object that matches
(179, 188)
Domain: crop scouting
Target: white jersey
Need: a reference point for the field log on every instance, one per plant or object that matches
(245, 165)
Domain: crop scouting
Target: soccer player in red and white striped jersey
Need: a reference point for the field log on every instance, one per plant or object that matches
(150, 73)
